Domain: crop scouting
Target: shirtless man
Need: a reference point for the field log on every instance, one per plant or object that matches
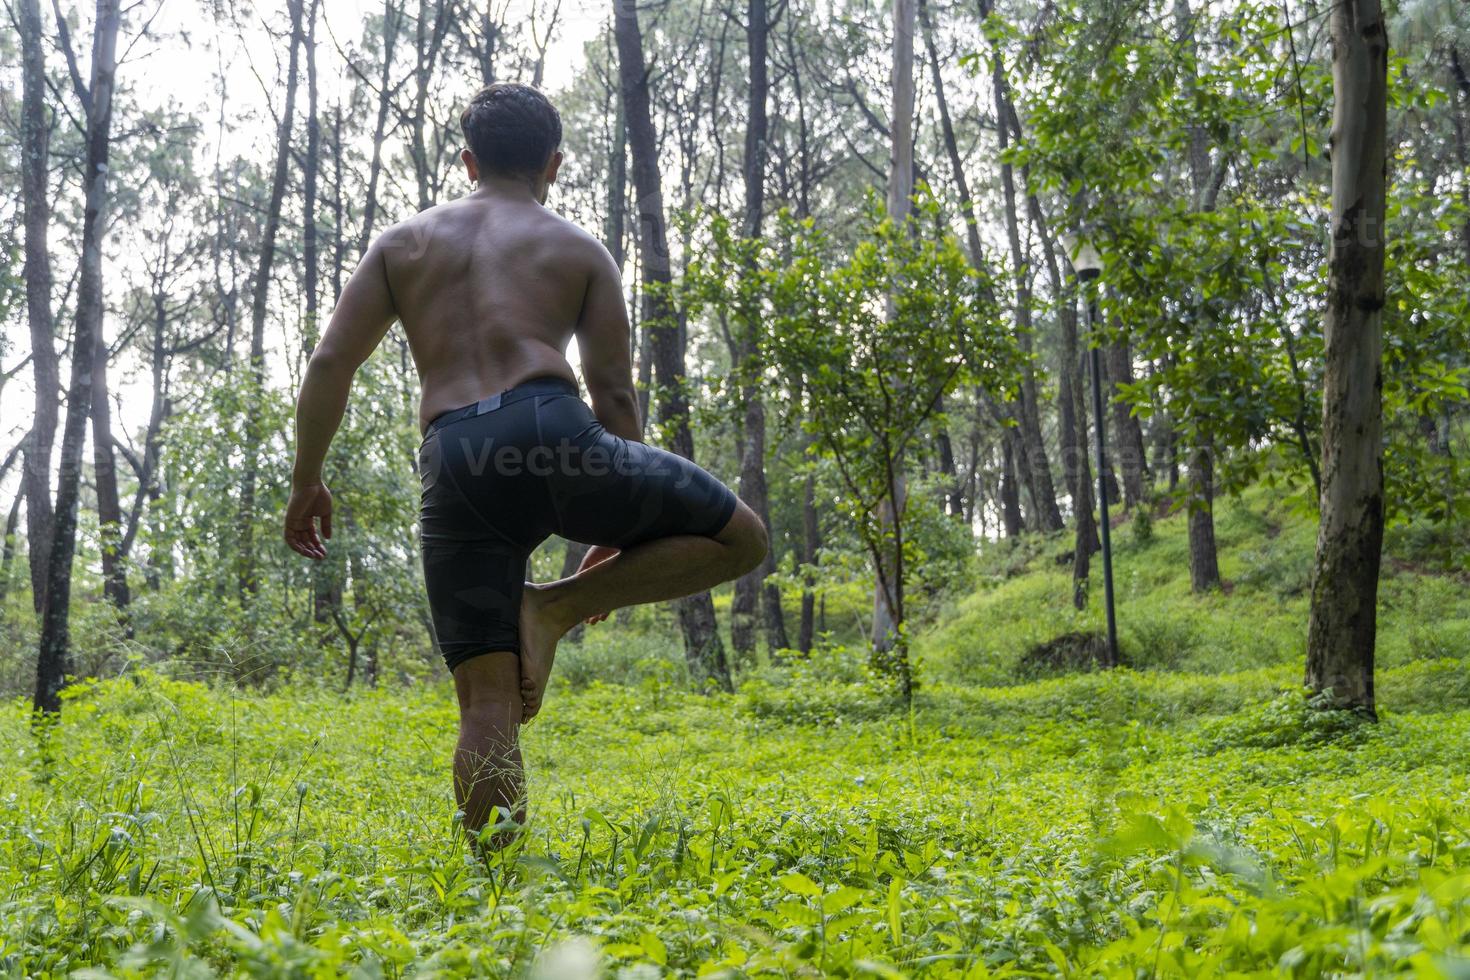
(490, 289)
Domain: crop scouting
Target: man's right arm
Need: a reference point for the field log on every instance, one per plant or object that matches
(605, 348)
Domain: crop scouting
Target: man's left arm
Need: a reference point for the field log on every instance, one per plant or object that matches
(363, 315)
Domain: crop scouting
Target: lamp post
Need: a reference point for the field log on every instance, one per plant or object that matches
(1089, 264)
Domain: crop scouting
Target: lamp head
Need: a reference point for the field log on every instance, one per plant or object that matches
(1085, 258)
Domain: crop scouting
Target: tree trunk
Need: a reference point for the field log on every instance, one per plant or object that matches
(959, 497)
(36, 201)
(309, 166)
(753, 588)
(1127, 432)
(951, 144)
(1033, 461)
(254, 436)
(1068, 412)
(104, 478)
(339, 239)
(811, 542)
(954, 494)
(53, 661)
(1010, 494)
(1204, 569)
(1070, 376)
(325, 585)
(1342, 633)
(703, 648)
(1204, 565)
(888, 645)
(430, 27)
(392, 21)
(1462, 138)
(7, 551)
(617, 187)
(148, 490)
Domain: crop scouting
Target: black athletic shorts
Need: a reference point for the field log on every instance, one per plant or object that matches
(502, 475)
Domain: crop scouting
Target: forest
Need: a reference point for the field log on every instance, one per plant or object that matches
(1100, 373)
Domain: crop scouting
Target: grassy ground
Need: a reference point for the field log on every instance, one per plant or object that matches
(1187, 817)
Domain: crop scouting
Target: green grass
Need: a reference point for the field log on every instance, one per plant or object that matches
(1191, 817)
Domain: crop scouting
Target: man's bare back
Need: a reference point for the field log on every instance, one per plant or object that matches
(490, 290)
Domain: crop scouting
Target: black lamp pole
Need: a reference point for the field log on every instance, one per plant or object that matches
(1087, 275)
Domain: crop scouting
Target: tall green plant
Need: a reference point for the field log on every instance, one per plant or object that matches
(863, 379)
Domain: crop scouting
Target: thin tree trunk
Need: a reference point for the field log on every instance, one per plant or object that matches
(1075, 465)
(1343, 628)
(325, 576)
(53, 661)
(617, 186)
(311, 269)
(1068, 411)
(951, 144)
(7, 551)
(104, 478)
(703, 648)
(1127, 432)
(428, 42)
(1462, 138)
(224, 247)
(752, 590)
(959, 495)
(1204, 564)
(954, 495)
(254, 434)
(1070, 376)
(1204, 567)
(36, 202)
(1033, 461)
(147, 469)
(810, 542)
(339, 239)
(1010, 495)
(888, 642)
(392, 20)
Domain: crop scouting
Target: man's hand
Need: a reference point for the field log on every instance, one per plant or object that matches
(308, 504)
(596, 555)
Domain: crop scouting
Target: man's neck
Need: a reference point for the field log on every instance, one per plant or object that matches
(511, 188)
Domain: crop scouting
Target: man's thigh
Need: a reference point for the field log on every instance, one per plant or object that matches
(645, 493)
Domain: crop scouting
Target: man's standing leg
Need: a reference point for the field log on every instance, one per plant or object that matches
(488, 774)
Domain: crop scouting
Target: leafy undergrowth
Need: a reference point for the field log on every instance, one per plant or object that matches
(1257, 620)
(1122, 824)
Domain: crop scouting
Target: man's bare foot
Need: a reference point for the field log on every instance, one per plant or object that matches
(541, 629)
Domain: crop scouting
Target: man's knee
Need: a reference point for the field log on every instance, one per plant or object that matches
(489, 689)
(747, 539)
(491, 725)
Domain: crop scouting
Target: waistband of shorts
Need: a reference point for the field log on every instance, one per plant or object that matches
(526, 389)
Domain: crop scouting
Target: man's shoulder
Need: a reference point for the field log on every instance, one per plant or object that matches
(569, 230)
(580, 242)
(410, 237)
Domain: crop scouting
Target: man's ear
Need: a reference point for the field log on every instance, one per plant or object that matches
(471, 165)
(553, 167)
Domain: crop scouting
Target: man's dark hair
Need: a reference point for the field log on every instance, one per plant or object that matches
(512, 129)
